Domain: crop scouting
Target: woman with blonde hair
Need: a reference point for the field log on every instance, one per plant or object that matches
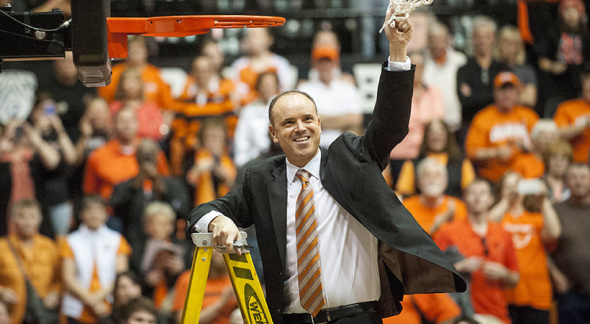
(130, 93)
(557, 158)
(509, 49)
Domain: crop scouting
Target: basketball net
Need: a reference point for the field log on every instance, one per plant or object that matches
(402, 10)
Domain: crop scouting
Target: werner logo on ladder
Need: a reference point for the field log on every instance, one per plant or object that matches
(243, 278)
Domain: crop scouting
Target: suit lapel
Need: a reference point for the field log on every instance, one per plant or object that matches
(331, 184)
(278, 208)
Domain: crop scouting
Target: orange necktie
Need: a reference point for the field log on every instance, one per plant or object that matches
(311, 292)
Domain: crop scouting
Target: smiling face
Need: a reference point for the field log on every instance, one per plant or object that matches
(295, 126)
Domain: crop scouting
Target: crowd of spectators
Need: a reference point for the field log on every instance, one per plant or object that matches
(95, 185)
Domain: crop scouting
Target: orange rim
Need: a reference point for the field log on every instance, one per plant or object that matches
(176, 26)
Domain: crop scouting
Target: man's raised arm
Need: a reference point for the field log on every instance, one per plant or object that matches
(391, 115)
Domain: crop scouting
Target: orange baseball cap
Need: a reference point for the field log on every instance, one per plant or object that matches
(325, 52)
(506, 77)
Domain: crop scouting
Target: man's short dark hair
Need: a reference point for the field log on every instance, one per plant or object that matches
(92, 200)
(136, 305)
(480, 180)
(275, 99)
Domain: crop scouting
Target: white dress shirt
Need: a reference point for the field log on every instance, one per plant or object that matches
(348, 251)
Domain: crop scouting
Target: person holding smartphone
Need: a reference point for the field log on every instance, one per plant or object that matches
(52, 175)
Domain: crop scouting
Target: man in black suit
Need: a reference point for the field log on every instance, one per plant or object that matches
(371, 248)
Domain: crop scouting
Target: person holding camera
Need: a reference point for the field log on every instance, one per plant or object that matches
(214, 172)
(531, 230)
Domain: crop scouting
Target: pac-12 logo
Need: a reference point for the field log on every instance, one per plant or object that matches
(256, 312)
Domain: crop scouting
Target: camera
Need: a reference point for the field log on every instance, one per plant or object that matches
(529, 186)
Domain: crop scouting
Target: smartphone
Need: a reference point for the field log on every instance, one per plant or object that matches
(529, 186)
(49, 109)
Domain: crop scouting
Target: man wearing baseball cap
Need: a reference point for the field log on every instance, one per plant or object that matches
(338, 101)
(500, 131)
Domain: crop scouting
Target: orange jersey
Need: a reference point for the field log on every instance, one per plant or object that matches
(110, 165)
(245, 74)
(534, 287)
(493, 128)
(42, 265)
(191, 110)
(66, 252)
(529, 166)
(425, 215)
(487, 295)
(435, 308)
(155, 89)
(575, 112)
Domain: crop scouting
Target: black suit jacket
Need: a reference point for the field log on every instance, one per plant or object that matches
(350, 171)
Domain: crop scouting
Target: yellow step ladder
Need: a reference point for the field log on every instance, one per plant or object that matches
(243, 278)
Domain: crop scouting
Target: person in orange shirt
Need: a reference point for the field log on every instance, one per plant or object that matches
(436, 308)
(38, 255)
(214, 172)
(432, 208)
(204, 96)
(154, 87)
(530, 165)
(245, 70)
(91, 258)
(489, 258)
(116, 161)
(219, 301)
(130, 93)
(500, 131)
(530, 300)
(573, 119)
(439, 143)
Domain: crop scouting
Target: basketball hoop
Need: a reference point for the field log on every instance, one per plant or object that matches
(402, 10)
(176, 26)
